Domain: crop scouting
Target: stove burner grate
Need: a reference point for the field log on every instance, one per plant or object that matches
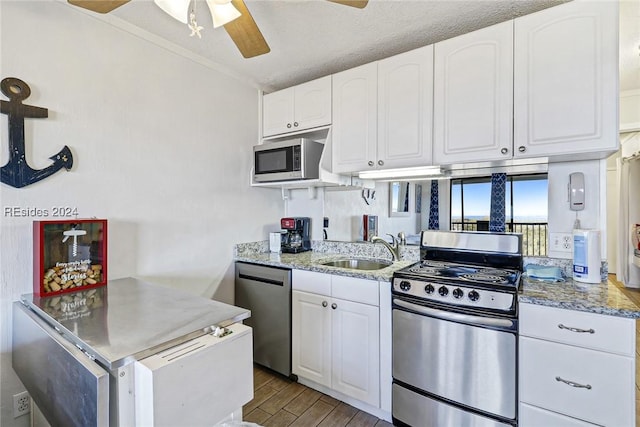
(435, 264)
(425, 270)
(485, 278)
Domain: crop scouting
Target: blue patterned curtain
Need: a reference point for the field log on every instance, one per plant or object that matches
(434, 211)
(497, 214)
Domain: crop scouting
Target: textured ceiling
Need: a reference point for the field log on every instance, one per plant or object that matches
(314, 38)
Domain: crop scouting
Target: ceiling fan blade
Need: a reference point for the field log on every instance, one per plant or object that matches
(245, 33)
(360, 4)
(100, 6)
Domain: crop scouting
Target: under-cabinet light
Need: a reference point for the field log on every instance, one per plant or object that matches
(424, 171)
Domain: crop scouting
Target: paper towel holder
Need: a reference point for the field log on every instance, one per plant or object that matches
(576, 191)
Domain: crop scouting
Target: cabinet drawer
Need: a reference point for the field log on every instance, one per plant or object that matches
(610, 398)
(611, 334)
(355, 289)
(530, 416)
(310, 281)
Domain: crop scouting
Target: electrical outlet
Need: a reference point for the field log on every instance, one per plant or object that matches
(561, 242)
(21, 404)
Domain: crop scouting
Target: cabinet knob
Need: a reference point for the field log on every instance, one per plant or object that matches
(288, 125)
(522, 149)
(295, 124)
(504, 151)
(324, 303)
(370, 163)
(334, 305)
(380, 162)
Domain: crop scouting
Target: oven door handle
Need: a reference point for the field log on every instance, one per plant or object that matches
(457, 317)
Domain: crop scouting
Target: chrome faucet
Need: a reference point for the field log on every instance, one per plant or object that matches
(394, 248)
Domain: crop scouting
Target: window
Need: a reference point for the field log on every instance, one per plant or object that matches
(526, 208)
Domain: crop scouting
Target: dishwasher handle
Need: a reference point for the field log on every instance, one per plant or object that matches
(261, 279)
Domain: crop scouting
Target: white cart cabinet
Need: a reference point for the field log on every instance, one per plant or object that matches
(296, 108)
(473, 96)
(336, 333)
(566, 80)
(576, 368)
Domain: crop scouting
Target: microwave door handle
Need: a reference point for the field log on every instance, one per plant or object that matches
(456, 317)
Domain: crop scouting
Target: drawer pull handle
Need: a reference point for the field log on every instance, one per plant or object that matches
(581, 331)
(572, 384)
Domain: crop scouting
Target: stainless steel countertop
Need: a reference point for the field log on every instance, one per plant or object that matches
(129, 319)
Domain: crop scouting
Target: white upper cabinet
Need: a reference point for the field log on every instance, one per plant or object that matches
(354, 118)
(382, 113)
(566, 79)
(300, 107)
(405, 109)
(473, 96)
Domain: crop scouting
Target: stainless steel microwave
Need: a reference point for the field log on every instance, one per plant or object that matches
(291, 159)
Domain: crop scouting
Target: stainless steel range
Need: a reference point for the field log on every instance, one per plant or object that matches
(455, 331)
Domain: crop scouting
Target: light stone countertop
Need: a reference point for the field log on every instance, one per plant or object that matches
(312, 261)
(601, 298)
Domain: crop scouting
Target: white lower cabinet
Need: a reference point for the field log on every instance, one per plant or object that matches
(533, 416)
(355, 347)
(576, 368)
(336, 341)
(311, 337)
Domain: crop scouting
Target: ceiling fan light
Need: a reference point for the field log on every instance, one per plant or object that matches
(177, 9)
(222, 12)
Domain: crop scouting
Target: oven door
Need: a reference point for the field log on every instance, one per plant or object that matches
(468, 360)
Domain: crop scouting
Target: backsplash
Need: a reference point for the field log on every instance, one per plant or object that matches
(357, 249)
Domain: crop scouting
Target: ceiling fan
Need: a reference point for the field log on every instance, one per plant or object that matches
(241, 27)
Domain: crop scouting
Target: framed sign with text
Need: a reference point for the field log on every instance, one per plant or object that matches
(69, 255)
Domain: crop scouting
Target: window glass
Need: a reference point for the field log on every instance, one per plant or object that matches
(530, 200)
(526, 208)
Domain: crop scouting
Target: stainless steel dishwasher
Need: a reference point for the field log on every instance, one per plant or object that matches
(266, 291)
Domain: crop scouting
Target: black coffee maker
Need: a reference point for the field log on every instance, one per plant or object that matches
(296, 236)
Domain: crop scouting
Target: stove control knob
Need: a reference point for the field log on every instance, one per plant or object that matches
(443, 291)
(474, 296)
(458, 293)
(429, 289)
(405, 285)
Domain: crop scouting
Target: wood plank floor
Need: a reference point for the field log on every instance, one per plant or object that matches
(279, 402)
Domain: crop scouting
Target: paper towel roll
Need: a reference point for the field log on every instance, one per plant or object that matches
(586, 256)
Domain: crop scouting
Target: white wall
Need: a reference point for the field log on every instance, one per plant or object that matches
(561, 218)
(345, 209)
(161, 149)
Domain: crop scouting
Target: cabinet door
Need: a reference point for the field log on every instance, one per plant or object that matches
(354, 134)
(530, 416)
(577, 382)
(566, 79)
(310, 340)
(355, 349)
(312, 104)
(405, 109)
(277, 112)
(473, 96)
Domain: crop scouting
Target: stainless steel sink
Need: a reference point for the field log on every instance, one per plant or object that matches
(358, 264)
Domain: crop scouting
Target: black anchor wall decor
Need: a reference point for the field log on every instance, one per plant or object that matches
(17, 172)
